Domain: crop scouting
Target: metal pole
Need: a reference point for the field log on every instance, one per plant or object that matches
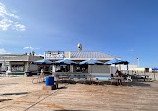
(91, 69)
(138, 63)
(120, 67)
(115, 69)
(127, 69)
(110, 69)
(154, 76)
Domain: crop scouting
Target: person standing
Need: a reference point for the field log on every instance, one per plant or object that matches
(42, 75)
(120, 76)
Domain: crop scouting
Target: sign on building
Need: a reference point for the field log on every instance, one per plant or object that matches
(54, 55)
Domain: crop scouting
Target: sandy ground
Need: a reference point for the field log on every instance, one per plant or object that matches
(19, 94)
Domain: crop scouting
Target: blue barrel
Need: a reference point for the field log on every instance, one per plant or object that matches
(49, 81)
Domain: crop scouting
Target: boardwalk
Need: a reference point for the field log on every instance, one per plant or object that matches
(20, 94)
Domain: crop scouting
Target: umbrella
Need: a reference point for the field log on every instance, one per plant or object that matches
(117, 61)
(91, 62)
(65, 61)
(114, 61)
(43, 62)
(123, 62)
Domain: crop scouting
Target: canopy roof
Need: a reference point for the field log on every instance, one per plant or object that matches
(42, 62)
(65, 61)
(91, 61)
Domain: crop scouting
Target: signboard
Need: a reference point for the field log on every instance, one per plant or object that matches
(54, 55)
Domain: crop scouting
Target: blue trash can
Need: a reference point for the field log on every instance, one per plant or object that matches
(49, 81)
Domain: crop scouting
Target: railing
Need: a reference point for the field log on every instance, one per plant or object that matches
(153, 75)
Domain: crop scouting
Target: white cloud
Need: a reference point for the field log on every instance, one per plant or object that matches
(5, 24)
(4, 12)
(20, 27)
(131, 50)
(9, 19)
(3, 51)
(28, 48)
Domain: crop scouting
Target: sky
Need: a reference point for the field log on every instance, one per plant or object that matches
(123, 28)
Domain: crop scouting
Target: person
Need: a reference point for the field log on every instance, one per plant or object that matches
(41, 71)
(42, 74)
(120, 75)
(112, 76)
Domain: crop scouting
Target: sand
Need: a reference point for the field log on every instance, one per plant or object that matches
(19, 94)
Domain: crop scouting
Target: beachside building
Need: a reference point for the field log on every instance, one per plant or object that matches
(143, 69)
(124, 67)
(18, 63)
(79, 56)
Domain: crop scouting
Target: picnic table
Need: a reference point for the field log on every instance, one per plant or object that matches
(64, 77)
(120, 79)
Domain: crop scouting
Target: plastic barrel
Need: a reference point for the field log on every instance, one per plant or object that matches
(49, 81)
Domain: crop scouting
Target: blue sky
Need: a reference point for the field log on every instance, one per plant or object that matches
(124, 28)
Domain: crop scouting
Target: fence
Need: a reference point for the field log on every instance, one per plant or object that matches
(153, 74)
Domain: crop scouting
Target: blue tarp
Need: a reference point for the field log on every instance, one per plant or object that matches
(154, 69)
(65, 61)
(91, 61)
(42, 62)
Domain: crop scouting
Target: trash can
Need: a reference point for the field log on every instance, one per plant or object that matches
(49, 81)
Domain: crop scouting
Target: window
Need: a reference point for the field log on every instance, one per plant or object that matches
(17, 68)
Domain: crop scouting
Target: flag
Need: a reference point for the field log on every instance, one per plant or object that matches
(136, 59)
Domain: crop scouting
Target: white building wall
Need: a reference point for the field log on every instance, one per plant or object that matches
(130, 67)
(98, 69)
(33, 67)
(67, 54)
(122, 67)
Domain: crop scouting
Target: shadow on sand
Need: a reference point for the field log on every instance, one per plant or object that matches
(62, 87)
(1, 100)
(141, 84)
(9, 84)
(70, 110)
(21, 93)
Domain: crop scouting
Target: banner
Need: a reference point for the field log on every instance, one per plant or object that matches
(54, 55)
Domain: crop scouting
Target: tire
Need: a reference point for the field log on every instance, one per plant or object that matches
(35, 80)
